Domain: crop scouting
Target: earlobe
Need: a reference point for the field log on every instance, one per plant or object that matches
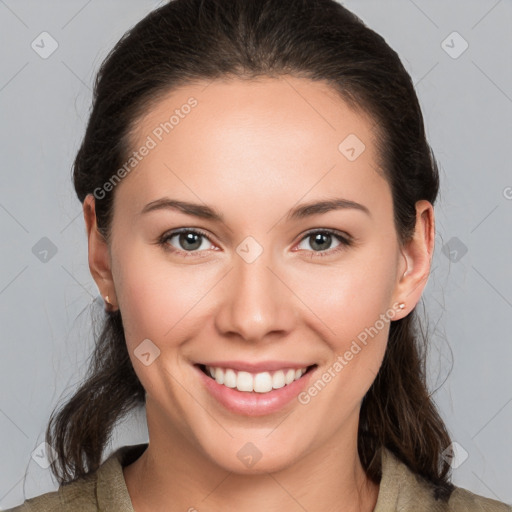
(99, 255)
(417, 256)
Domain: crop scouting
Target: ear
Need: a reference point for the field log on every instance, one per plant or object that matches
(414, 269)
(99, 254)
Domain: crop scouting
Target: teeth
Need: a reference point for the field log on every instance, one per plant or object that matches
(260, 382)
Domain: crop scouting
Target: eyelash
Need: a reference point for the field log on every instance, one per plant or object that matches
(345, 241)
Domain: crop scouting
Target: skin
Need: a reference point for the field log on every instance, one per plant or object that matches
(254, 150)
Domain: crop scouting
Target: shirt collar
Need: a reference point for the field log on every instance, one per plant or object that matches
(111, 486)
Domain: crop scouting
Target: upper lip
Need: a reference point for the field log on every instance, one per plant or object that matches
(253, 367)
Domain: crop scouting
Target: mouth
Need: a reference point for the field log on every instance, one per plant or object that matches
(254, 382)
(254, 394)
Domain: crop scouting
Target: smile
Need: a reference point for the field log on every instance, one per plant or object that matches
(262, 382)
(254, 393)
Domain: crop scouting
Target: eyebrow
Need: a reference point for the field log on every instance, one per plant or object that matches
(207, 212)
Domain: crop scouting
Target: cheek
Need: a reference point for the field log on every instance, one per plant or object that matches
(156, 297)
(353, 310)
(356, 337)
(352, 297)
(159, 302)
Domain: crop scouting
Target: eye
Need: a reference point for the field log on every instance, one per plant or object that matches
(321, 239)
(188, 240)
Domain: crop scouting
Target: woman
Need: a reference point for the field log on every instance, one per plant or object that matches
(258, 194)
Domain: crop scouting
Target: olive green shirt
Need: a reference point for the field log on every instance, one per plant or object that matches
(105, 490)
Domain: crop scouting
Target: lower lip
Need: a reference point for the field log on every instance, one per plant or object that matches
(253, 403)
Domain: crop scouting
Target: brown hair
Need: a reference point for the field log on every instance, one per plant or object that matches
(192, 40)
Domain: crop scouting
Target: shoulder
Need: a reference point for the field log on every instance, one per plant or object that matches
(104, 489)
(462, 499)
(401, 489)
(79, 495)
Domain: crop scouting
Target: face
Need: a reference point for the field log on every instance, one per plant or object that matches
(258, 284)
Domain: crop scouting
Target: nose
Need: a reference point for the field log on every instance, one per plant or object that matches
(257, 304)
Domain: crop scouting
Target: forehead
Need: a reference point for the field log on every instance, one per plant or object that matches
(264, 106)
(283, 136)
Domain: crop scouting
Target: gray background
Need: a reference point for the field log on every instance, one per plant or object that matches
(46, 299)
